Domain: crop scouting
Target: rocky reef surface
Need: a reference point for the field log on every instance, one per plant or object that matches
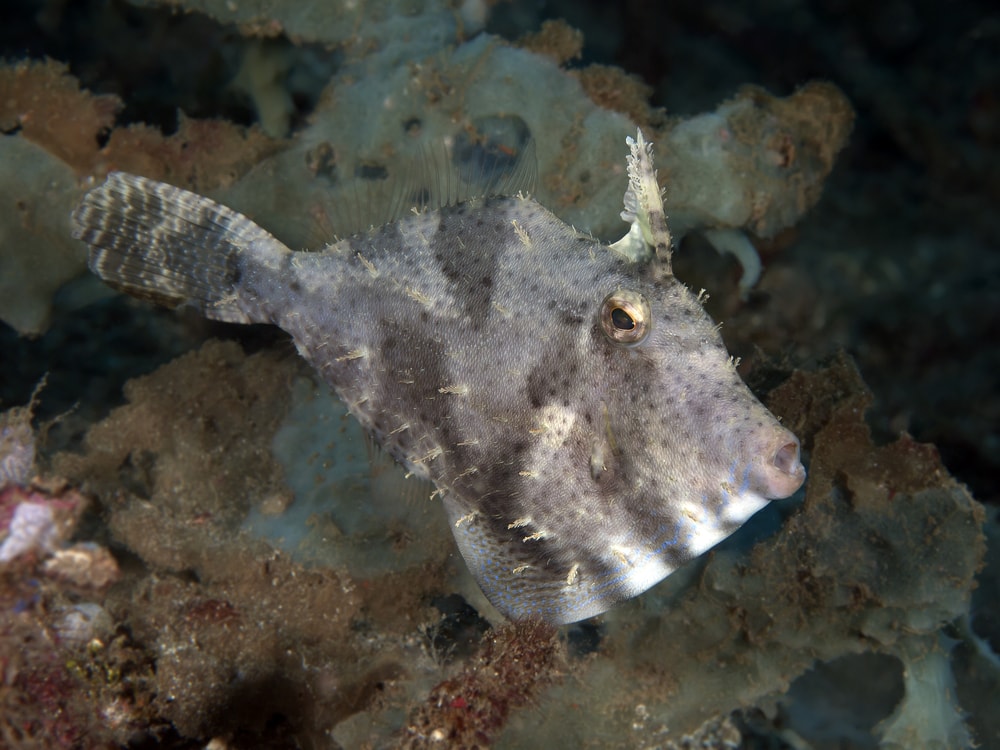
(197, 546)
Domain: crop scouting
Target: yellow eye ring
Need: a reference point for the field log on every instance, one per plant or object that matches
(625, 317)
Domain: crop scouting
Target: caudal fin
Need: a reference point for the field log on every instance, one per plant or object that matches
(160, 243)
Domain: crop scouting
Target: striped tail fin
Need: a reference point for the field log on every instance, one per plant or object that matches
(167, 245)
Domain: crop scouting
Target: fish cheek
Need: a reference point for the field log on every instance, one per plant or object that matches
(637, 418)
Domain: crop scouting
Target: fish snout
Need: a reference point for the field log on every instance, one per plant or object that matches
(778, 470)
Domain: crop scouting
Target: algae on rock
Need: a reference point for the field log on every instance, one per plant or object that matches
(753, 166)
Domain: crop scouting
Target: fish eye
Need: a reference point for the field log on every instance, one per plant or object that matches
(625, 317)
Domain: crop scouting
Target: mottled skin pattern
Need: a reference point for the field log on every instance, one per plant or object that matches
(576, 470)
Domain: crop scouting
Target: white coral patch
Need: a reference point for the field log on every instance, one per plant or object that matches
(32, 527)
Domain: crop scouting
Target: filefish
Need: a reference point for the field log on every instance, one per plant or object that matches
(571, 401)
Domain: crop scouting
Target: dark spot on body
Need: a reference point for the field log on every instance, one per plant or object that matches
(295, 287)
(463, 269)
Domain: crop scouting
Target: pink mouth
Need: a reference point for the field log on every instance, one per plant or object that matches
(781, 472)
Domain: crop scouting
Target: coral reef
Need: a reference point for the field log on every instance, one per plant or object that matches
(43, 103)
(928, 715)
(412, 29)
(39, 257)
(50, 597)
(195, 436)
(17, 443)
(755, 165)
(57, 133)
(204, 589)
(516, 662)
(226, 620)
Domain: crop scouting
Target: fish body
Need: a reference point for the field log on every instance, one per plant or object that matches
(576, 410)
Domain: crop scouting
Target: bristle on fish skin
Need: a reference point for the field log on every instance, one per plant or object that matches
(572, 402)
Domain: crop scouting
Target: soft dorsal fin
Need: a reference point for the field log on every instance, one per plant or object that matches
(492, 167)
(431, 176)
